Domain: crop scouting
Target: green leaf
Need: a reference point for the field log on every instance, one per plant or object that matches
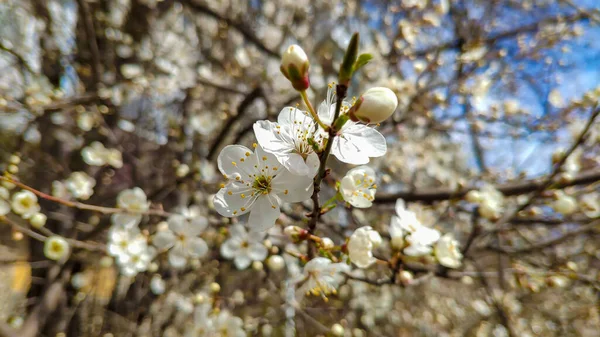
(362, 60)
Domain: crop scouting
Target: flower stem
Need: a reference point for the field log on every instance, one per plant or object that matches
(341, 91)
(82, 206)
(312, 111)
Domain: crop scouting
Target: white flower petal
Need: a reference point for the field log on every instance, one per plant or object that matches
(164, 240)
(230, 247)
(229, 202)
(177, 259)
(242, 262)
(264, 213)
(236, 160)
(257, 252)
(357, 143)
(196, 247)
(299, 188)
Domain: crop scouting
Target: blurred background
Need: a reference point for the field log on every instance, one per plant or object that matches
(491, 92)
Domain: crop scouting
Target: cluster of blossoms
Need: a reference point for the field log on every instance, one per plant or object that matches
(97, 155)
(408, 235)
(23, 203)
(288, 163)
(126, 243)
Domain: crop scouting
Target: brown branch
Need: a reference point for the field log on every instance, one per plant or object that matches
(531, 28)
(547, 243)
(82, 206)
(90, 34)
(429, 195)
(242, 29)
(20, 59)
(250, 97)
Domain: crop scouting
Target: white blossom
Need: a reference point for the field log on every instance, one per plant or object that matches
(209, 324)
(288, 140)
(25, 204)
(137, 259)
(97, 155)
(321, 277)
(590, 205)
(56, 248)
(564, 204)
(157, 285)
(421, 240)
(134, 200)
(490, 201)
(243, 247)
(257, 183)
(226, 324)
(402, 223)
(447, 252)
(361, 245)
(182, 239)
(358, 187)
(355, 143)
(80, 185)
(120, 238)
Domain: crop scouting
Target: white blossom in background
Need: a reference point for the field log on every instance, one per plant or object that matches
(361, 245)
(97, 155)
(80, 185)
(204, 123)
(490, 201)
(25, 204)
(358, 187)
(590, 205)
(181, 238)
(564, 203)
(447, 252)
(133, 200)
(355, 143)
(320, 277)
(225, 324)
(243, 247)
(421, 240)
(120, 238)
(402, 223)
(288, 140)
(4, 204)
(56, 248)
(157, 285)
(202, 324)
(137, 259)
(257, 183)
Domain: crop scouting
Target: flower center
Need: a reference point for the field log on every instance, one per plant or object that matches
(262, 184)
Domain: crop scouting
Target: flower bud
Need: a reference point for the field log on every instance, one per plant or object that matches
(275, 263)
(38, 220)
(327, 243)
(374, 106)
(294, 66)
(294, 230)
(56, 248)
(565, 204)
